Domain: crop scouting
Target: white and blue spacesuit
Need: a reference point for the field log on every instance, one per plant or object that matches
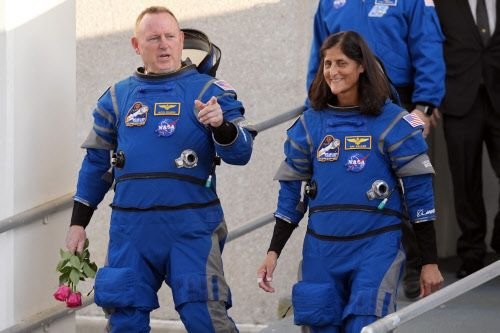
(355, 166)
(167, 223)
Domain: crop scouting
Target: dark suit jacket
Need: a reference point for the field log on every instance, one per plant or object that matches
(468, 62)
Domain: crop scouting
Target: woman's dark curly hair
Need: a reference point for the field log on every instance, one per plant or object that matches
(373, 85)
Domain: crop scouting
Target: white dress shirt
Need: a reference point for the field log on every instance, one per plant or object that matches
(490, 8)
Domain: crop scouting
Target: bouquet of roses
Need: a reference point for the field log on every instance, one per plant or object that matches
(73, 268)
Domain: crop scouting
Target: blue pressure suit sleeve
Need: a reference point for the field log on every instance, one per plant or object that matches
(406, 148)
(239, 151)
(92, 185)
(296, 168)
(419, 197)
(320, 33)
(425, 42)
(92, 181)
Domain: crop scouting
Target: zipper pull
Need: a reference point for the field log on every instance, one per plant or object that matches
(381, 205)
(208, 183)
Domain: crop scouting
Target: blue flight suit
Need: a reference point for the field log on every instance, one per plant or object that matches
(352, 254)
(404, 34)
(167, 223)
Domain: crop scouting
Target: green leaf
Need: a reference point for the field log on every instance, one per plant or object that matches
(64, 276)
(86, 254)
(63, 279)
(75, 261)
(75, 267)
(74, 276)
(93, 266)
(61, 264)
(89, 272)
(66, 254)
(66, 270)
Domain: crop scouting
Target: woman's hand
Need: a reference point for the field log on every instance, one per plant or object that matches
(431, 279)
(266, 270)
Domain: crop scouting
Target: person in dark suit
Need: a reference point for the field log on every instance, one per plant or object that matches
(471, 116)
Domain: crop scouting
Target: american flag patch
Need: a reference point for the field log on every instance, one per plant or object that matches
(224, 85)
(413, 120)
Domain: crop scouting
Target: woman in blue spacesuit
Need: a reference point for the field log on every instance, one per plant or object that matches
(355, 151)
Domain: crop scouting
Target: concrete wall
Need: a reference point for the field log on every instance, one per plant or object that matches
(6, 239)
(37, 163)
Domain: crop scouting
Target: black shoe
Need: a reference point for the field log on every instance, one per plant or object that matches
(411, 284)
(468, 268)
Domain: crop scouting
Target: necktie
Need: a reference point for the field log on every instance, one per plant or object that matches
(482, 21)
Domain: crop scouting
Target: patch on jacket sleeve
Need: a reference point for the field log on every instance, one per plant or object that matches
(413, 120)
(429, 3)
(223, 84)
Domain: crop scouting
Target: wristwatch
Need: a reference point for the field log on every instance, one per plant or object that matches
(426, 109)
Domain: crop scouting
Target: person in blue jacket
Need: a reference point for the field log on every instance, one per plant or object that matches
(162, 130)
(407, 38)
(357, 152)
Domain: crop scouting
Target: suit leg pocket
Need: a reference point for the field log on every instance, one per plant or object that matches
(315, 304)
(119, 288)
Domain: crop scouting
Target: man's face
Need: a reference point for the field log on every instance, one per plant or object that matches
(159, 42)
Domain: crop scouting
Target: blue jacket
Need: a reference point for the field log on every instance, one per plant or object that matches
(404, 34)
(152, 120)
(344, 152)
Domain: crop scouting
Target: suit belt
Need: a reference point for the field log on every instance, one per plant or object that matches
(357, 236)
(190, 205)
(159, 175)
(351, 207)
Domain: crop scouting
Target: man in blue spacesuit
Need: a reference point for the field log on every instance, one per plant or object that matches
(166, 127)
(407, 37)
(352, 148)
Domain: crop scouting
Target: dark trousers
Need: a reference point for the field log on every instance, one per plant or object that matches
(464, 140)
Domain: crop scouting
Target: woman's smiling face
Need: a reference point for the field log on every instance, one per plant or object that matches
(342, 76)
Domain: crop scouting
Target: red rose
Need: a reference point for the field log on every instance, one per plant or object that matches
(62, 293)
(73, 268)
(74, 300)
